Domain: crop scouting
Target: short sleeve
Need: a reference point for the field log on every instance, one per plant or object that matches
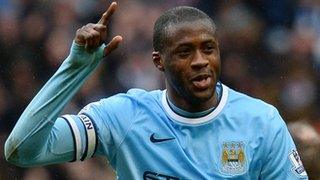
(282, 160)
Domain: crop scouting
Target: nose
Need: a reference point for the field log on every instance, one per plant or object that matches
(199, 60)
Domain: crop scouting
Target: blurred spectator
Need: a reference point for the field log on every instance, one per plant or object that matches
(299, 89)
(39, 173)
(308, 144)
(96, 167)
(239, 28)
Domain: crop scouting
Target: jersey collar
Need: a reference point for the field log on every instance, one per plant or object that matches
(199, 120)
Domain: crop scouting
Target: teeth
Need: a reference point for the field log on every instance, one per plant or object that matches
(200, 78)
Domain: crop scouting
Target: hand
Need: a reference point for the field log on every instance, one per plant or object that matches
(93, 35)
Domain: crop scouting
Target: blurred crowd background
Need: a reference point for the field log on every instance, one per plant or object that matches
(270, 49)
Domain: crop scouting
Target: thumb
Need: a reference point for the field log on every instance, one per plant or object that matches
(113, 44)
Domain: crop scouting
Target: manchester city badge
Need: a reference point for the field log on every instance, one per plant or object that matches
(233, 158)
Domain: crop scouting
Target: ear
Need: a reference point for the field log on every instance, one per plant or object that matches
(157, 60)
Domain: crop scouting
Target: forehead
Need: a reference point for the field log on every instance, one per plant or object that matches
(188, 31)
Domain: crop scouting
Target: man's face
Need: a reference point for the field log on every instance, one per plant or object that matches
(191, 61)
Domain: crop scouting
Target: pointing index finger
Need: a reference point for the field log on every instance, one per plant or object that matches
(106, 15)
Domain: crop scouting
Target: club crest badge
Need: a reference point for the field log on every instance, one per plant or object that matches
(233, 158)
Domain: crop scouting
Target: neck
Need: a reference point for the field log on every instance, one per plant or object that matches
(192, 104)
(188, 114)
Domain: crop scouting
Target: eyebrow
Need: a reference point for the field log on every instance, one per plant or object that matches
(204, 42)
(211, 41)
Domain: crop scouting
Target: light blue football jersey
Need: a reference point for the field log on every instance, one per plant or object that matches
(143, 138)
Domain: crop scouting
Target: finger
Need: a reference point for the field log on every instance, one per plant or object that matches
(80, 38)
(106, 15)
(102, 29)
(93, 37)
(89, 45)
(99, 27)
(88, 37)
(114, 43)
(96, 38)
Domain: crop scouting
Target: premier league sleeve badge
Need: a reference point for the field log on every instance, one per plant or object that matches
(297, 166)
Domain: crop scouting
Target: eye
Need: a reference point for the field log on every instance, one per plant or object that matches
(183, 52)
(209, 48)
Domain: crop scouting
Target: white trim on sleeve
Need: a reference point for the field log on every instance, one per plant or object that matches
(90, 137)
(76, 133)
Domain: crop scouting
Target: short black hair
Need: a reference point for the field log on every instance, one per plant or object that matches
(175, 16)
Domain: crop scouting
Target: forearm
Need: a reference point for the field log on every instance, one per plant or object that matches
(31, 133)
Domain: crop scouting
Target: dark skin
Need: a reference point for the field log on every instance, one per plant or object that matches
(190, 60)
(93, 35)
(191, 64)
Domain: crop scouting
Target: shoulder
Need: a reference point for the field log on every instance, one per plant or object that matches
(143, 94)
(133, 95)
(246, 103)
(133, 98)
(252, 109)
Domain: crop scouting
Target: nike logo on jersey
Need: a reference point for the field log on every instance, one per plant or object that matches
(153, 139)
(148, 175)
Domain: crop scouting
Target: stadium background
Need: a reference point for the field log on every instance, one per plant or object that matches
(270, 49)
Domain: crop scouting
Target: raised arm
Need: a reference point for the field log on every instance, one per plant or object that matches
(38, 136)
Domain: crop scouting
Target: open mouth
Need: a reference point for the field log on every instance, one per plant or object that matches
(202, 82)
